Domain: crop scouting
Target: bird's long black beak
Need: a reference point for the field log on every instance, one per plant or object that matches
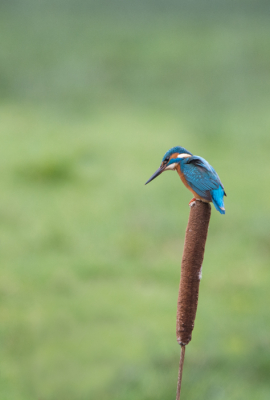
(157, 173)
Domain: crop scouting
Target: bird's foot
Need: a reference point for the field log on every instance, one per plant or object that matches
(192, 202)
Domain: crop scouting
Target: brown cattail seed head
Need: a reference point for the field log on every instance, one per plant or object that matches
(191, 270)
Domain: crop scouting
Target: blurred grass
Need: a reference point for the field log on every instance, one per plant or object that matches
(90, 258)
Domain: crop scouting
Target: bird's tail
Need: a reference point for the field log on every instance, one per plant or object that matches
(217, 199)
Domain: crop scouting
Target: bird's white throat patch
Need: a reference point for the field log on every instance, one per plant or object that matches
(171, 166)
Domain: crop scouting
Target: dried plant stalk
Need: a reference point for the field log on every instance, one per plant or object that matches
(181, 364)
(191, 273)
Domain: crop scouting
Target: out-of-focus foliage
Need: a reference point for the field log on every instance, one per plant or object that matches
(92, 94)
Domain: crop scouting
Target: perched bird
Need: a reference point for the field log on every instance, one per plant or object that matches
(196, 174)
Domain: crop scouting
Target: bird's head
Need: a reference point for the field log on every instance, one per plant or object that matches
(170, 160)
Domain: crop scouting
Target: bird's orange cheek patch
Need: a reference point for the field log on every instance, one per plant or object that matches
(174, 155)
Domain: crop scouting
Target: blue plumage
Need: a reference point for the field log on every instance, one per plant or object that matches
(196, 173)
(174, 150)
(204, 180)
(217, 199)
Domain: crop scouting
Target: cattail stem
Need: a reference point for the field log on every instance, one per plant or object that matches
(191, 272)
(180, 372)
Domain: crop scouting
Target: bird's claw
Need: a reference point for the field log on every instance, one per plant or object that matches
(192, 202)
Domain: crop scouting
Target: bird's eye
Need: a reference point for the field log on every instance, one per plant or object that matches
(166, 160)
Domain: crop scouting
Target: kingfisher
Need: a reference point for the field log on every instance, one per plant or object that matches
(196, 174)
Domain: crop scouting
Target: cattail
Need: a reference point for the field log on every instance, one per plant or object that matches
(191, 273)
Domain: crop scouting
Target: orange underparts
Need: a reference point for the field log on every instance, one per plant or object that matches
(183, 179)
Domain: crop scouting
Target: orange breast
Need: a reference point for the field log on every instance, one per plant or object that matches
(183, 179)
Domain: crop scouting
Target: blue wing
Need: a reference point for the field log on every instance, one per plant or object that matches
(204, 180)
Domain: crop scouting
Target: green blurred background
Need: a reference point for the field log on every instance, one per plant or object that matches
(92, 94)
